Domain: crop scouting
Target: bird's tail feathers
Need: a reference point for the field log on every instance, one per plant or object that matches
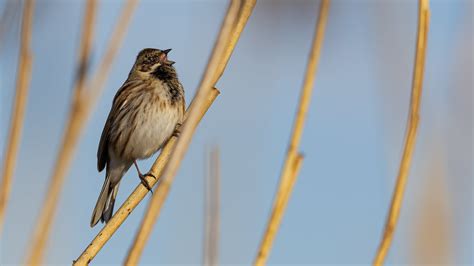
(105, 203)
(109, 206)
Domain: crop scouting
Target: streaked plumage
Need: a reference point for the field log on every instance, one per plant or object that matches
(144, 114)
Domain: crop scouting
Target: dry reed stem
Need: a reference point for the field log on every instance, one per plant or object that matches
(279, 208)
(136, 197)
(69, 141)
(288, 172)
(410, 138)
(432, 238)
(245, 10)
(234, 22)
(96, 84)
(18, 114)
(212, 201)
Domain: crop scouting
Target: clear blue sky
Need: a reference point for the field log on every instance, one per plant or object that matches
(352, 140)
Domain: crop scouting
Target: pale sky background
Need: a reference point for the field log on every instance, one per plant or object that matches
(352, 140)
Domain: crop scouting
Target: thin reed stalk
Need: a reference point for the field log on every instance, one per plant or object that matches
(19, 106)
(283, 196)
(69, 142)
(293, 158)
(234, 22)
(136, 197)
(410, 137)
(432, 240)
(96, 84)
(86, 94)
(212, 206)
(18, 113)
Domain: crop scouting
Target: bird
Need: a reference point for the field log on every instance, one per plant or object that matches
(146, 111)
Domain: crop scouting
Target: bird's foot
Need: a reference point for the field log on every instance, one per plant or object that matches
(177, 130)
(145, 182)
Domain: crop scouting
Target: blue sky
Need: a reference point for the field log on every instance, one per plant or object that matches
(352, 141)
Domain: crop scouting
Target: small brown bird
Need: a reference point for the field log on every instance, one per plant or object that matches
(146, 112)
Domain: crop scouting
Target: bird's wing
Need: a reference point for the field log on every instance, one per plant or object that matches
(102, 152)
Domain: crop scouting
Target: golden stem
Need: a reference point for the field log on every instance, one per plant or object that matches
(410, 138)
(288, 175)
(18, 114)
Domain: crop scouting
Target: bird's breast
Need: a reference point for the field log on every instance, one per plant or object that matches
(151, 121)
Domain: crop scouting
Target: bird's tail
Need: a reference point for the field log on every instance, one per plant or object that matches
(105, 203)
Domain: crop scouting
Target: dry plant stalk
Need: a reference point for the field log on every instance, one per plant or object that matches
(68, 144)
(410, 138)
(96, 84)
(85, 95)
(293, 158)
(212, 206)
(136, 197)
(291, 173)
(18, 114)
(431, 243)
(234, 22)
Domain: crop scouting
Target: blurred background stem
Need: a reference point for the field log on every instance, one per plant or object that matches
(18, 113)
(211, 209)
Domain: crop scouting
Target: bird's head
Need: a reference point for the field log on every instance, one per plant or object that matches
(151, 60)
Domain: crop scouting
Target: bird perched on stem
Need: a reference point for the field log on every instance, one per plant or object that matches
(146, 111)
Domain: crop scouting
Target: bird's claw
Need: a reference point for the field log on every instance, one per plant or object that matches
(177, 130)
(145, 182)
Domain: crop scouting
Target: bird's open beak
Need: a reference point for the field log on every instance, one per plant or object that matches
(164, 58)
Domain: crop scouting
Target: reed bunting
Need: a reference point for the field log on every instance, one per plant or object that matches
(146, 112)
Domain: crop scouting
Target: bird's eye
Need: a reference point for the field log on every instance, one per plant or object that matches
(149, 60)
